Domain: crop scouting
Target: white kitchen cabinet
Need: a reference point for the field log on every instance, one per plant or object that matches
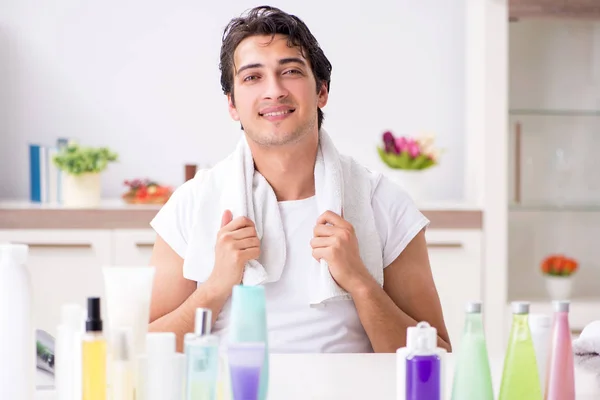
(455, 258)
(65, 266)
(133, 247)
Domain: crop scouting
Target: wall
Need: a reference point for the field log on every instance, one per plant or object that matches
(142, 77)
(555, 65)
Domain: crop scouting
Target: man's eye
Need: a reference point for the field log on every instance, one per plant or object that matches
(293, 72)
(250, 78)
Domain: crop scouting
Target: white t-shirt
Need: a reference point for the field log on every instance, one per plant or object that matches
(293, 325)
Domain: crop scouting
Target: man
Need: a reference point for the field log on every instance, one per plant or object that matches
(276, 79)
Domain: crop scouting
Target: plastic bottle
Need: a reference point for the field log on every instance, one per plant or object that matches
(423, 364)
(93, 354)
(472, 376)
(248, 323)
(202, 354)
(69, 333)
(520, 378)
(560, 382)
(17, 333)
(404, 353)
(540, 326)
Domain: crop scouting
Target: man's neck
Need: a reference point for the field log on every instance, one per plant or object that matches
(289, 169)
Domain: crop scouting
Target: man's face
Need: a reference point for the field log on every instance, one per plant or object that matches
(274, 91)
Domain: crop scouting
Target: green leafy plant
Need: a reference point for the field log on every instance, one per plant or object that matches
(76, 160)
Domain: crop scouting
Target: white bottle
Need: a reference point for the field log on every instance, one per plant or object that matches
(540, 326)
(159, 379)
(17, 332)
(67, 375)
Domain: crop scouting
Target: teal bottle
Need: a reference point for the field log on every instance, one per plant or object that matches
(249, 324)
(472, 374)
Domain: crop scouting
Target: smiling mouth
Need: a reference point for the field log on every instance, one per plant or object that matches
(277, 113)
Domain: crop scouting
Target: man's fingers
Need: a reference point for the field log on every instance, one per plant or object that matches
(324, 230)
(243, 233)
(329, 217)
(226, 218)
(325, 241)
(239, 223)
(247, 243)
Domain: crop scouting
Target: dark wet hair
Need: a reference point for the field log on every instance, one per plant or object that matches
(266, 20)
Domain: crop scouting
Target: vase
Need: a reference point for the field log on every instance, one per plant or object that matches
(81, 191)
(412, 181)
(559, 287)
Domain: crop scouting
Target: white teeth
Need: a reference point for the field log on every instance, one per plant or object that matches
(274, 114)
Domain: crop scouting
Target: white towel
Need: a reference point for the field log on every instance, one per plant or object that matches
(586, 348)
(234, 184)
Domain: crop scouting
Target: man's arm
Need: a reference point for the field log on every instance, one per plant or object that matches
(408, 296)
(175, 298)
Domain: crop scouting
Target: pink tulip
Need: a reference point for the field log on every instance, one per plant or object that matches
(401, 144)
(413, 149)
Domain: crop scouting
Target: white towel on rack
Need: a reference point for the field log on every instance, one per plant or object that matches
(234, 184)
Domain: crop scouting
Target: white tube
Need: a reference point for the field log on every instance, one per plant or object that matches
(128, 291)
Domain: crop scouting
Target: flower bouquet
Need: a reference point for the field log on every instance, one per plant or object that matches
(558, 270)
(408, 153)
(146, 192)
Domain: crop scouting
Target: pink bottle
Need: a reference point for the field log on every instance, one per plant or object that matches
(560, 379)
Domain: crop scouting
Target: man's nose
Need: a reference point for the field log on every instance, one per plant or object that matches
(275, 90)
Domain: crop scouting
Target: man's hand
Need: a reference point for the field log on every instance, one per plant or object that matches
(335, 241)
(237, 243)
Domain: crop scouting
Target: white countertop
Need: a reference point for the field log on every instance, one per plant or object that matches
(358, 376)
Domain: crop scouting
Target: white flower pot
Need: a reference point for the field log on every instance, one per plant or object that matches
(81, 191)
(413, 181)
(559, 287)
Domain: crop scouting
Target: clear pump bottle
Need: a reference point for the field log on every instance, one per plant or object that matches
(202, 358)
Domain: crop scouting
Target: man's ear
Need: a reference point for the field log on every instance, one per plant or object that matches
(232, 110)
(322, 96)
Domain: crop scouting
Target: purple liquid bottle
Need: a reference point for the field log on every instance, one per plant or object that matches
(423, 365)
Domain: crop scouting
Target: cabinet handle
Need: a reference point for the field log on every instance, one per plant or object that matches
(450, 245)
(59, 245)
(144, 245)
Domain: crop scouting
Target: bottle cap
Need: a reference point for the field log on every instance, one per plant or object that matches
(421, 338)
(561, 305)
(94, 319)
(520, 307)
(16, 252)
(203, 322)
(473, 307)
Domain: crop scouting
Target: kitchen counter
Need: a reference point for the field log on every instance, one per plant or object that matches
(115, 214)
(360, 376)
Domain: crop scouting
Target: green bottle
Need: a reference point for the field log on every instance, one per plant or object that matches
(520, 378)
(472, 376)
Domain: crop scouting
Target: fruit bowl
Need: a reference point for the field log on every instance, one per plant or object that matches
(145, 191)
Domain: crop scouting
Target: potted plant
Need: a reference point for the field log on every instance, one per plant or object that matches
(81, 168)
(409, 157)
(558, 273)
